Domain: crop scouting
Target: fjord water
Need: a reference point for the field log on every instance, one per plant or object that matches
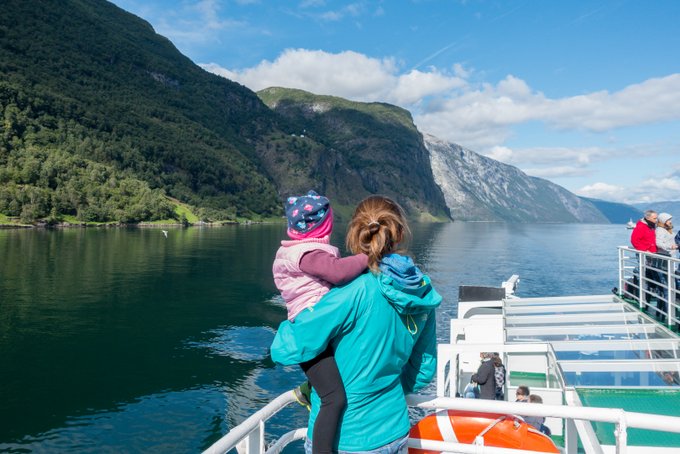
(123, 340)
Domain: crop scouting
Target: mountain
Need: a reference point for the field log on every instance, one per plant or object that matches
(349, 150)
(477, 188)
(105, 120)
(616, 213)
(97, 107)
(670, 207)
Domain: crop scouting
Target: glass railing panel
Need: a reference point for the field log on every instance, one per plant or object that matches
(632, 379)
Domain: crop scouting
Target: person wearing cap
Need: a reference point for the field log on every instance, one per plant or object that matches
(305, 268)
(665, 244)
(664, 235)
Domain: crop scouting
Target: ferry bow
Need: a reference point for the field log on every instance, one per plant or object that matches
(606, 366)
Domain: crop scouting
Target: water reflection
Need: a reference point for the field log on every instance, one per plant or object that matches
(238, 342)
(125, 340)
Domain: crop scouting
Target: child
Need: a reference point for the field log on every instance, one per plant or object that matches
(305, 269)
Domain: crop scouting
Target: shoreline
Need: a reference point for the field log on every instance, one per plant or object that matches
(67, 225)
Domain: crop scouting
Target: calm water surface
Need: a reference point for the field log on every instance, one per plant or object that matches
(117, 340)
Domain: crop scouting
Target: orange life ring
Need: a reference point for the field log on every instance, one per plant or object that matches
(499, 430)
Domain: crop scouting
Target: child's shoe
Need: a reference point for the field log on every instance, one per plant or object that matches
(302, 394)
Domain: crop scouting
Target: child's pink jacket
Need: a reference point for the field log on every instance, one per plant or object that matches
(298, 289)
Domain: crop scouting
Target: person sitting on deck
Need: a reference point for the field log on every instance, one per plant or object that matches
(537, 421)
(522, 394)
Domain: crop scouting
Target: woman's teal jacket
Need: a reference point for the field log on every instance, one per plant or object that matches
(385, 343)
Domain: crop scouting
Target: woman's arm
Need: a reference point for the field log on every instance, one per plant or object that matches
(422, 365)
(314, 328)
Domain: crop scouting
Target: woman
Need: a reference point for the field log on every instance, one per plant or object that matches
(381, 327)
(665, 243)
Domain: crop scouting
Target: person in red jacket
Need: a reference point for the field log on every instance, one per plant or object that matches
(643, 237)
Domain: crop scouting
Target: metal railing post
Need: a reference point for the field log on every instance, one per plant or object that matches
(570, 437)
(622, 281)
(641, 278)
(670, 295)
(621, 434)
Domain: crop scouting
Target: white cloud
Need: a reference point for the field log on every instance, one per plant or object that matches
(603, 191)
(503, 154)
(665, 187)
(346, 74)
(312, 3)
(557, 171)
(581, 156)
(351, 10)
(478, 116)
(416, 85)
(483, 116)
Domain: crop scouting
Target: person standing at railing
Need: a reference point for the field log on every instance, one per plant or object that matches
(643, 238)
(382, 327)
(305, 268)
(499, 375)
(485, 377)
(665, 245)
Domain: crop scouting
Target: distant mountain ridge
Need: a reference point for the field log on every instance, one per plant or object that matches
(670, 207)
(616, 213)
(477, 188)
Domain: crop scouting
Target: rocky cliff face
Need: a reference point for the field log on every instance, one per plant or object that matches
(477, 188)
(349, 150)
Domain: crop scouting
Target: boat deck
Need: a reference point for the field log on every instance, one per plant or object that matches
(613, 355)
(605, 349)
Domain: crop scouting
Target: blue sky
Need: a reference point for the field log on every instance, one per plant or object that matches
(583, 93)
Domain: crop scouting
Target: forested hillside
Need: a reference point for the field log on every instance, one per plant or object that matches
(102, 117)
(104, 120)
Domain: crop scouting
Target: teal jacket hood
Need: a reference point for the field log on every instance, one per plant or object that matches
(409, 301)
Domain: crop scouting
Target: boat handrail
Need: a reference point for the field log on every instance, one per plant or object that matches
(253, 427)
(250, 433)
(635, 420)
(510, 286)
(645, 278)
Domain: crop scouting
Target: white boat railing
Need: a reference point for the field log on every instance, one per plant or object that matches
(248, 437)
(653, 282)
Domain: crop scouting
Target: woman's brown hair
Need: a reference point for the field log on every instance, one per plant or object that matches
(377, 228)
